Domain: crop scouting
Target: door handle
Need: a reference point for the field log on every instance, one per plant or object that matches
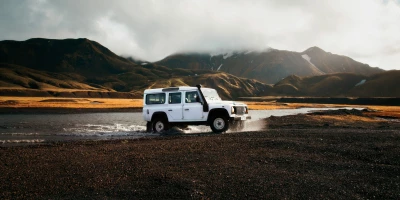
(186, 109)
(169, 110)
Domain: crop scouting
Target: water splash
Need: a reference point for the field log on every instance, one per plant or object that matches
(21, 141)
(103, 130)
(18, 134)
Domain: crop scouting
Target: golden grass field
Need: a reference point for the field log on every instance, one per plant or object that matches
(343, 119)
(54, 102)
(386, 111)
(108, 103)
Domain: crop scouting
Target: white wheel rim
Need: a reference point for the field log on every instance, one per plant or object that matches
(219, 123)
(159, 126)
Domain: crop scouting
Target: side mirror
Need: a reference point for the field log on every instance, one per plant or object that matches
(198, 99)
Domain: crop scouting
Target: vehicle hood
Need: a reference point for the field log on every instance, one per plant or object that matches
(234, 103)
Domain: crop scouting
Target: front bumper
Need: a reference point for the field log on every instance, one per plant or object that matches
(238, 118)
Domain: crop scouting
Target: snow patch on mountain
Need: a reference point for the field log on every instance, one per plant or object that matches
(224, 54)
(361, 82)
(219, 67)
(227, 55)
(308, 59)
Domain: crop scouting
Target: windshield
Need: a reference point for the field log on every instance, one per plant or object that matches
(210, 94)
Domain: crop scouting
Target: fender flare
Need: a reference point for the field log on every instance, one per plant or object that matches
(159, 114)
(217, 111)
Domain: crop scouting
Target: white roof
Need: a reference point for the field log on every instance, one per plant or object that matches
(181, 88)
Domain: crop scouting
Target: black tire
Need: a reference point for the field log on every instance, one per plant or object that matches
(160, 124)
(219, 124)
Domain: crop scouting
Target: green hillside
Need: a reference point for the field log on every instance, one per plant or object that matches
(384, 84)
(45, 66)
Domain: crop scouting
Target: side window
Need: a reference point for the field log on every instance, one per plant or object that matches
(155, 98)
(174, 98)
(190, 97)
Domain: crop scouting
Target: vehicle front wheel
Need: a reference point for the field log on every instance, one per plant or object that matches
(219, 124)
(160, 124)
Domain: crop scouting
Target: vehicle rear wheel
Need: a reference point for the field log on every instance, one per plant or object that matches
(160, 124)
(219, 124)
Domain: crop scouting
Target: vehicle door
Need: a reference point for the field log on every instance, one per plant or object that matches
(153, 103)
(174, 109)
(192, 107)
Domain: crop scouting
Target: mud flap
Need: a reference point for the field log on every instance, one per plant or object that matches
(149, 127)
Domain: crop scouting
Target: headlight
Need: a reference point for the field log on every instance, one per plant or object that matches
(233, 110)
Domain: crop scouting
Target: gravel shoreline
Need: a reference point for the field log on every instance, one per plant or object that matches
(304, 161)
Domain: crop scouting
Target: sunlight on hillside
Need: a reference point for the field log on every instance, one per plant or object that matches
(49, 102)
(344, 119)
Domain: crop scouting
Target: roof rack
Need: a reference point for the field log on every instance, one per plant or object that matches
(170, 89)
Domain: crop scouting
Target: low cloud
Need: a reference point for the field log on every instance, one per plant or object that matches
(366, 30)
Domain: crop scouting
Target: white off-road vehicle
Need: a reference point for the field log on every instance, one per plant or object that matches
(164, 108)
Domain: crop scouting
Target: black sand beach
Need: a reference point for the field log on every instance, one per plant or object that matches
(308, 160)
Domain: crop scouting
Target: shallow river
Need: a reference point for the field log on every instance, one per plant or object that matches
(39, 128)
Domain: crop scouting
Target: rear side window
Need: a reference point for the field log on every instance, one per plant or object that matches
(158, 98)
(175, 98)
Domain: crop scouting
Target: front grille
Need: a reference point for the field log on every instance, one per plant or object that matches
(239, 110)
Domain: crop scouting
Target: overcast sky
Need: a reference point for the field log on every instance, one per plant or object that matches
(365, 30)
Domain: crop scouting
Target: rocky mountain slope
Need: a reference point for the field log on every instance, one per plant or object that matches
(270, 65)
(71, 65)
(81, 56)
(383, 84)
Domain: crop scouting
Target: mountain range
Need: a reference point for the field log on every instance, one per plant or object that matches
(270, 65)
(85, 68)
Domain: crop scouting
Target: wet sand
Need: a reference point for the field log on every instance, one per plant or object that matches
(315, 157)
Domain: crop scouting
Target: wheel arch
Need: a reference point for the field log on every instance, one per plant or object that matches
(217, 112)
(159, 114)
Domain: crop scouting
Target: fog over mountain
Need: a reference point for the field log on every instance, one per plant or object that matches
(365, 30)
